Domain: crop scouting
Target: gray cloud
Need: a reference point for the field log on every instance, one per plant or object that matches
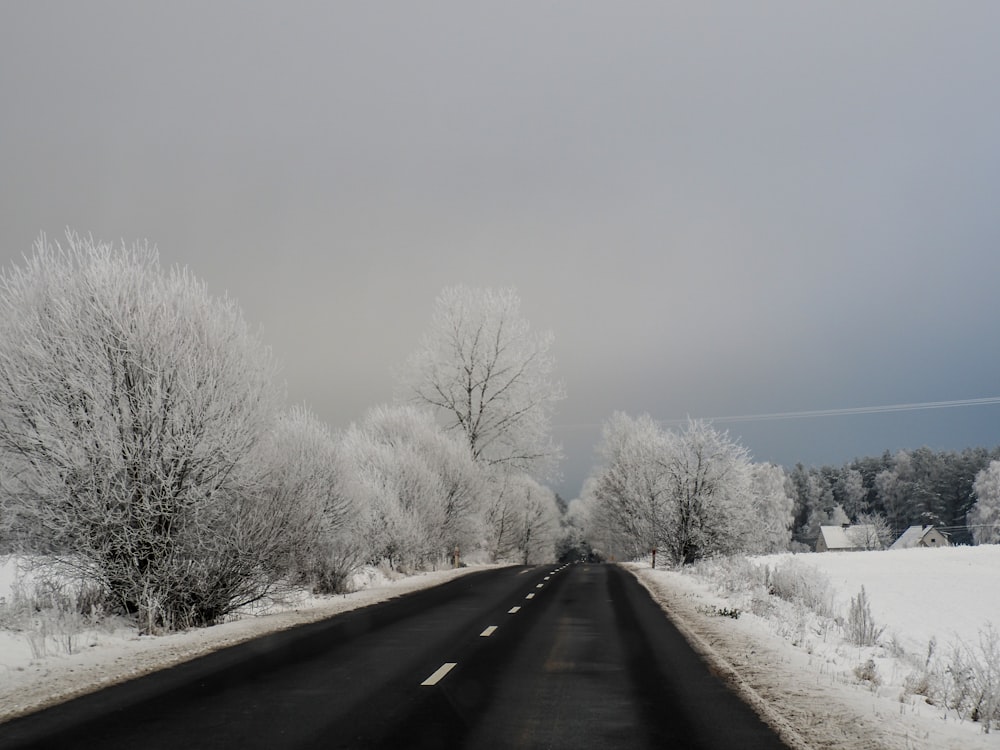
(718, 208)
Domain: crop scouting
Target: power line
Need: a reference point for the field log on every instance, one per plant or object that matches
(849, 411)
(816, 413)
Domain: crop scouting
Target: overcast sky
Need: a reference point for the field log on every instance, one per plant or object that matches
(718, 208)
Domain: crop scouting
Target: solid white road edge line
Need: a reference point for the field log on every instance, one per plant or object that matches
(488, 632)
(444, 669)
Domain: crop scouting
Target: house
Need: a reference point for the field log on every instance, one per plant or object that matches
(846, 538)
(921, 536)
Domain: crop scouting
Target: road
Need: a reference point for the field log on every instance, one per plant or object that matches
(576, 656)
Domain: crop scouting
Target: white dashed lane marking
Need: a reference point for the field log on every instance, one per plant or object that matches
(439, 674)
(444, 669)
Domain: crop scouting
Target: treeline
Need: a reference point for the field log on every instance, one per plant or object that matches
(907, 488)
(146, 447)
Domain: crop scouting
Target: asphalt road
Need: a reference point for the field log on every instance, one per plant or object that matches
(545, 657)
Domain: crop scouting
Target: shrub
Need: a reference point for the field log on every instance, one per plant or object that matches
(868, 672)
(800, 583)
(52, 611)
(732, 575)
(860, 627)
(975, 677)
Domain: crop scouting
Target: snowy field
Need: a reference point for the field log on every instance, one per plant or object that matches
(49, 658)
(925, 603)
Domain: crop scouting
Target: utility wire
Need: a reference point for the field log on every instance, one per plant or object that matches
(814, 413)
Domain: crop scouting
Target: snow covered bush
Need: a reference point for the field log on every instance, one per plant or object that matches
(860, 627)
(975, 678)
(868, 672)
(130, 404)
(798, 582)
(733, 574)
(51, 612)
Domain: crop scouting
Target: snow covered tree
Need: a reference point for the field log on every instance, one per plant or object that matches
(870, 531)
(418, 489)
(573, 541)
(298, 458)
(850, 488)
(984, 518)
(632, 487)
(773, 510)
(455, 512)
(522, 519)
(600, 529)
(895, 487)
(130, 401)
(817, 503)
(539, 522)
(688, 493)
(708, 481)
(491, 376)
(369, 471)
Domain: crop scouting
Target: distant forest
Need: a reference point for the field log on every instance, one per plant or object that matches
(908, 488)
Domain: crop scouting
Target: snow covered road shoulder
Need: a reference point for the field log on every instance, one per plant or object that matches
(106, 655)
(814, 683)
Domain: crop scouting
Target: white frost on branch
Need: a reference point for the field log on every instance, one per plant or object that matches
(482, 367)
(130, 401)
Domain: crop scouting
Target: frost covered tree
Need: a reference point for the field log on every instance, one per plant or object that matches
(870, 531)
(522, 519)
(895, 486)
(688, 493)
(632, 489)
(316, 543)
(819, 500)
(130, 401)
(773, 510)
(851, 489)
(417, 488)
(539, 522)
(708, 478)
(455, 513)
(491, 376)
(984, 518)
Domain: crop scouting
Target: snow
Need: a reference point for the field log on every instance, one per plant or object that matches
(37, 670)
(922, 593)
(799, 670)
(836, 537)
